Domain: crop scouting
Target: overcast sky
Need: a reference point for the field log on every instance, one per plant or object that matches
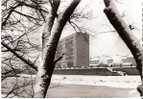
(108, 43)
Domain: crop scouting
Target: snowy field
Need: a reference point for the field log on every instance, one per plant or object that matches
(94, 86)
(112, 81)
(66, 86)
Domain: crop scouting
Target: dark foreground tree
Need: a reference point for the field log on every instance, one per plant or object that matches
(127, 36)
(16, 32)
(46, 69)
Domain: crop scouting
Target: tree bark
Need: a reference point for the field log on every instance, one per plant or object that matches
(49, 22)
(46, 69)
(127, 36)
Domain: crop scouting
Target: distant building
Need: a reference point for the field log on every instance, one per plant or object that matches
(98, 61)
(94, 62)
(75, 49)
(129, 61)
(110, 61)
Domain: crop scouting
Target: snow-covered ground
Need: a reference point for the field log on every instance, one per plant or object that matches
(112, 81)
(94, 86)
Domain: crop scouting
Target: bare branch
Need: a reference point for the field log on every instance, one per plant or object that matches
(10, 12)
(28, 62)
(28, 16)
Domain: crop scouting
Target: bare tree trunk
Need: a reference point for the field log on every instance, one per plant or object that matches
(46, 69)
(127, 36)
(49, 22)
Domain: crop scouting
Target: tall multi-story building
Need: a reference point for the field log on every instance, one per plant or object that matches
(75, 50)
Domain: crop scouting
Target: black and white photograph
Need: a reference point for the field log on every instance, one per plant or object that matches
(71, 49)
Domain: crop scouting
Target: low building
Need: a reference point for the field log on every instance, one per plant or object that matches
(94, 62)
(129, 61)
(101, 61)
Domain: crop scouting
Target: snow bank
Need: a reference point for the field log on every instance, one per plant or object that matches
(112, 81)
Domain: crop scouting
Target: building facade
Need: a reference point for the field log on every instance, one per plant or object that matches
(75, 50)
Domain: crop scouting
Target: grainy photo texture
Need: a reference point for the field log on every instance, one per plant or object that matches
(71, 49)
